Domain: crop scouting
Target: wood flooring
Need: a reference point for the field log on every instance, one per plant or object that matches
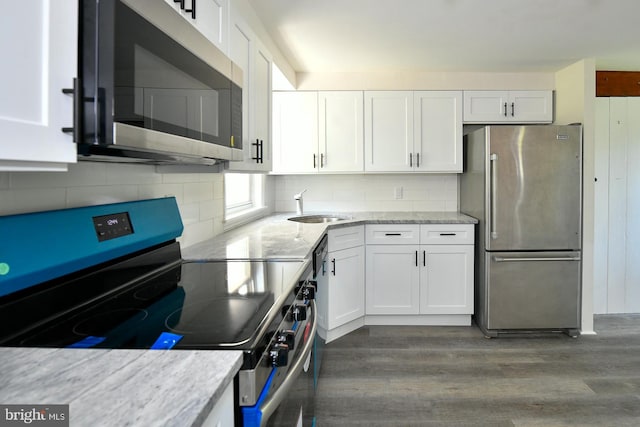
(454, 376)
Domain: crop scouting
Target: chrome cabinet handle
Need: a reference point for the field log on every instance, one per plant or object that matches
(494, 195)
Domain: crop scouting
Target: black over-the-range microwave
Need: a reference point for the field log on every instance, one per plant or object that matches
(151, 88)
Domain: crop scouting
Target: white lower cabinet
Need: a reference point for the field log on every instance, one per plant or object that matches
(222, 414)
(425, 280)
(393, 279)
(446, 279)
(346, 286)
(341, 283)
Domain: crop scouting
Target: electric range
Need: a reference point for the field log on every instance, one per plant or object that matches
(112, 276)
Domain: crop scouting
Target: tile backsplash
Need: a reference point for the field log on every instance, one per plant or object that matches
(392, 192)
(200, 196)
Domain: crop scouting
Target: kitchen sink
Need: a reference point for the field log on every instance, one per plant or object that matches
(316, 219)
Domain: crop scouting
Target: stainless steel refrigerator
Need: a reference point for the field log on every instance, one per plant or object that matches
(524, 185)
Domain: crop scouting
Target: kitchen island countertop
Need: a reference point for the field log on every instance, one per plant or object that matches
(275, 237)
(119, 387)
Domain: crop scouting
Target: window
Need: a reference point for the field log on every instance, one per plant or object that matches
(243, 196)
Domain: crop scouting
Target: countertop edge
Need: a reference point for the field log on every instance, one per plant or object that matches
(172, 386)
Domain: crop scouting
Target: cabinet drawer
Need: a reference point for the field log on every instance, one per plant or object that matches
(346, 237)
(446, 234)
(393, 234)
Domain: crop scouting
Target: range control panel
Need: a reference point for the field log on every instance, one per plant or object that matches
(112, 226)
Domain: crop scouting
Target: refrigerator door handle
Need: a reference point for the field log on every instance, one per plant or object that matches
(562, 258)
(494, 195)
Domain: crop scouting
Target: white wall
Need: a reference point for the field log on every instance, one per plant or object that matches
(575, 102)
(200, 196)
(353, 193)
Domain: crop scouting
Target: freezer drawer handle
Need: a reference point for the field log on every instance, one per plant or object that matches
(561, 258)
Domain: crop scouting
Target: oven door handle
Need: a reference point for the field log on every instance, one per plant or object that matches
(269, 406)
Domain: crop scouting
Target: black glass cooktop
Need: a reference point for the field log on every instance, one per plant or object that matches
(193, 305)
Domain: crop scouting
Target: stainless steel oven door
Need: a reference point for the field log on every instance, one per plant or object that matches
(279, 385)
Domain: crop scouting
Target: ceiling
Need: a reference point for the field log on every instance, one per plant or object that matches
(453, 35)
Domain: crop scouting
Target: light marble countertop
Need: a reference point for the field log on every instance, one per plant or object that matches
(119, 387)
(274, 237)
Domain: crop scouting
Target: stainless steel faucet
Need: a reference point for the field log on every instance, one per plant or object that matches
(298, 199)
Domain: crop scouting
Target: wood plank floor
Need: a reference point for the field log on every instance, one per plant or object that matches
(454, 376)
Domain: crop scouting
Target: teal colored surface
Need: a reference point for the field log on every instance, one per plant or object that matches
(41, 246)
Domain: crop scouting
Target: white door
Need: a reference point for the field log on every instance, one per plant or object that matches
(340, 131)
(623, 269)
(446, 279)
(388, 131)
(346, 286)
(295, 132)
(438, 131)
(39, 44)
(392, 279)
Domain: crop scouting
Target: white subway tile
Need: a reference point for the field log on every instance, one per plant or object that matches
(132, 174)
(79, 174)
(98, 195)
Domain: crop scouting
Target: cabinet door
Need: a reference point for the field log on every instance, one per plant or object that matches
(341, 141)
(534, 106)
(392, 277)
(40, 51)
(247, 52)
(438, 131)
(261, 90)
(211, 18)
(485, 106)
(388, 131)
(446, 279)
(295, 132)
(346, 286)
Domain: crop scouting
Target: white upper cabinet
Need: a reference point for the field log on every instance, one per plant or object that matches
(340, 131)
(210, 17)
(438, 131)
(388, 131)
(318, 132)
(295, 132)
(248, 52)
(40, 50)
(491, 106)
(413, 131)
